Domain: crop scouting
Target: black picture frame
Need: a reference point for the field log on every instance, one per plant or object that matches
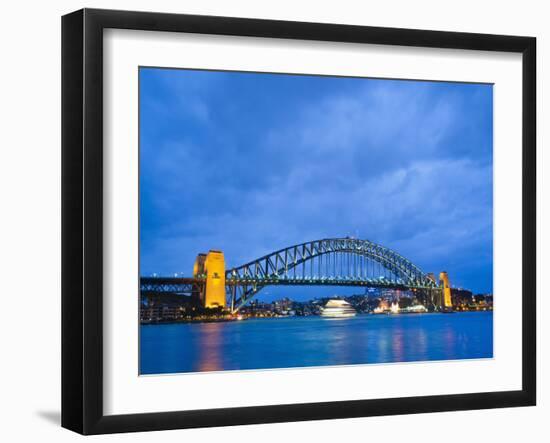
(82, 218)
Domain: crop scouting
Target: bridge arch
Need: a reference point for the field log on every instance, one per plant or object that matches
(338, 261)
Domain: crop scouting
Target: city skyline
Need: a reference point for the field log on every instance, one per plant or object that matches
(251, 163)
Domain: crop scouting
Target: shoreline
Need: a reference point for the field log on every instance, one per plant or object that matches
(234, 319)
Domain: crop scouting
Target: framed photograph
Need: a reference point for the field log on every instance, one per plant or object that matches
(268, 221)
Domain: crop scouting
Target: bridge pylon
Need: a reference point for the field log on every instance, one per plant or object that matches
(214, 289)
(198, 272)
(446, 290)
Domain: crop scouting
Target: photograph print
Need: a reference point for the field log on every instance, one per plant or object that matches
(296, 220)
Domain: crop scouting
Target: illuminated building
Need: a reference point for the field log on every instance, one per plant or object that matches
(382, 307)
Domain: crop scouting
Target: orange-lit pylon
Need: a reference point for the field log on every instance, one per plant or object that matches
(446, 288)
(214, 267)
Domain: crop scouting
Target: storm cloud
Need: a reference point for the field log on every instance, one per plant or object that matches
(250, 163)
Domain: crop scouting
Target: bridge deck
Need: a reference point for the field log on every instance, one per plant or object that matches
(169, 284)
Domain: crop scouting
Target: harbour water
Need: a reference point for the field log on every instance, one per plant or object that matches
(314, 341)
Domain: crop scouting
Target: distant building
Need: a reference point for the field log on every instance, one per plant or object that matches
(461, 298)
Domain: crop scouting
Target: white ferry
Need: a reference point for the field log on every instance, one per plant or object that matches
(338, 309)
(415, 309)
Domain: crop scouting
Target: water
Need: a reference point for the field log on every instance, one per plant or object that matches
(314, 341)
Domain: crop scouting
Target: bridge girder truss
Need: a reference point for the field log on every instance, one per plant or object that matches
(348, 261)
(174, 285)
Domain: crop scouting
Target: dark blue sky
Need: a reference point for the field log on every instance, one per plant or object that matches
(250, 163)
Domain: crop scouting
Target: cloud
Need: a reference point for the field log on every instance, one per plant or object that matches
(404, 164)
(176, 95)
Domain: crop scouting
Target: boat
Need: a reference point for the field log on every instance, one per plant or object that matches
(338, 309)
(415, 309)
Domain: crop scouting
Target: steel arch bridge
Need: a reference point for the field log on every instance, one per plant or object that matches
(333, 261)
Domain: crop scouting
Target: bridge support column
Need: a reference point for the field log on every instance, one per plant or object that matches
(233, 297)
(214, 293)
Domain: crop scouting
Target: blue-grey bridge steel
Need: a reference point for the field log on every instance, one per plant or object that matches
(335, 261)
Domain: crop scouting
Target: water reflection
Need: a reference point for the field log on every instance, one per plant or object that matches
(313, 341)
(421, 344)
(210, 349)
(338, 348)
(449, 342)
(398, 344)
